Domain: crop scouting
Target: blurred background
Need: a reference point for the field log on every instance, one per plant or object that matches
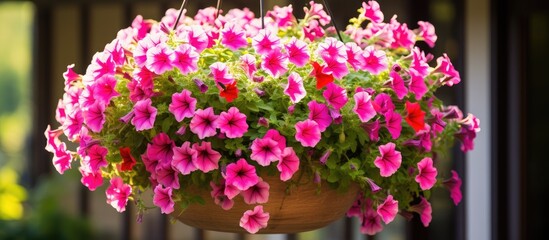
(499, 47)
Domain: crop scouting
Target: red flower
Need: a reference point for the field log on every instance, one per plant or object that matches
(229, 91)
(322, 79)
(127, 159)
(415, 117)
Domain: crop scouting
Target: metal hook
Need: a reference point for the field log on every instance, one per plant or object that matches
(180, 14)
(332, 18)
(261, 14)
(217, 8)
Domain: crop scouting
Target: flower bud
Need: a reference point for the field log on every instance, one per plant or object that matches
(325, 156)
(201, 85)
(291, 109)
(342, 137)
(238, 153)
(316, 178)
(259, 92)
(258, 79)
(182, 130)
(263, 122)
(396, 68)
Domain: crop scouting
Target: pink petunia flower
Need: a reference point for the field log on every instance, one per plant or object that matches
(427, 33)
(388, 209)
(336, 68)
(161, 150)
(445, 66)
(163, 199)
(265, 41)
(363, 106)
(383, 103)
(265, 151)
(354, 55)
(206, 159)
(282, 16)
(167, 176)
(417, 84)
(219, 196)
(424, 210)
(196, 37)
(145, 114)
(298, 53)
(233, 37)
(241, 175)
(375, 61)
(317, 11)
(62, 158)
(288, 164)
(104, 88)
(248, 63)
(94, 116)
(454, 186)
(307, 133)
(332, 48)
(102, 64)
(204, 123)
(393, 123)
(92, 180)
(159, 58)
(389, 161)
(254, 220)
(320, 113)
(427, 174)
(275, 62)
(419, 62)
(275, 135)
(183, 158)
(422, 141)
(70, 76)
(295, 89)
(372, 129)
(335, 95)
(96, 158)
(397, 84)
(183, 105)
(185, 58)
(470, 126)
(372, 11)
(52, 139)
(232, 123)
(257, 194)
(403, 37)
(118, 193)
(371, 222)
(221, 74)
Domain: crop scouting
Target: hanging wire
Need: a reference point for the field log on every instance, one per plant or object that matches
(332, 18)
(183, 4)
(217, 8)
(261, 4)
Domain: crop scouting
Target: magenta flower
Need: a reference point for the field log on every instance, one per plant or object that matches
(265, 41)
(320, 113)
(52, 139)
(363, 106)
(288, 164)
(275, 135)
(232, 123)
(248, 63)
(118, 193)
(419, 62)
(253, 220)
(372, 129)
(388, 209)
(62, 158)
(145, 114)
(336, 68)
(372, 11)
(183, 158)
(182, 105)
(427, 33)
(403, 37)
(445, 66)
(196, 36)
(70, 76)
(219, 197)
(204, 123)
(257, 194)
(295, 89)
(389, 161)
(104, 88)
(241, 175)
(317, 11)
(94, 116)
(282, 16)
(230, 190)
(159, 58)
(265, 151)
(206, 159)
(397, 84)
(298, 53)
(375, 61)
(454, 186)
(221, 74)
(167, 176)
(275, 62)
(371, 222)
(185, 58)
(332, 48)
(163, 199)
(160, 149)
(393, 123)
(96, 158)
(335, 95)
(307, 133)
(417, 84)
(427, 174)
(424, 210)
(73, 124)
(383, 103)
(102, 64)
(233, 37)
(470, 126)
(92, 180)
(354, 55)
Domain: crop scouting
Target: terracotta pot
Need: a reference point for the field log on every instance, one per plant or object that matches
(303, 209)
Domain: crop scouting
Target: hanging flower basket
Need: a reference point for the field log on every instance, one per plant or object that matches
(265, 125)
